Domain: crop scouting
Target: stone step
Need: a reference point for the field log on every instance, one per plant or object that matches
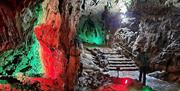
(121, 62)
(89, 69)
(114, 56)
(118, 59)
(112, 53)
(118, 65)
(123, 68)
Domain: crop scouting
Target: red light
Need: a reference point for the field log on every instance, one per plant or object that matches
(123, 81)
(126, 81)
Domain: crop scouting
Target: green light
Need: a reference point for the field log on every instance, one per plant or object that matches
(38, 14)
(146, 89)
(32, 59)
(35, 62)
(3, 82)
(91, 32)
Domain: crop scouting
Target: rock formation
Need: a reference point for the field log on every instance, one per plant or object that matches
(37, 43)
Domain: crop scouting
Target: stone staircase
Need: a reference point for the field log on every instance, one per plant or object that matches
(119, 62)
(119, 65)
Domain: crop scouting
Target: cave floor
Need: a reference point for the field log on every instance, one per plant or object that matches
(117, 67)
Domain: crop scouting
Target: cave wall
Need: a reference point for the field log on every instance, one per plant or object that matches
(159, 29)
(159, 36)
(37, 48)
(8, 39)
(19, 44)
(70, 13)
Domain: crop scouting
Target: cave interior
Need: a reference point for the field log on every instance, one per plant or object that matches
(89, 45)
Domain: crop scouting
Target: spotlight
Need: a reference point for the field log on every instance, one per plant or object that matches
(123, 16)
(126, 81)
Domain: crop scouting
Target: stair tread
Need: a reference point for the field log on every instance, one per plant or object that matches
(121, 62)
(122, 65)
(114, 56)
(110, 52)
(123, 68)
(135, 69)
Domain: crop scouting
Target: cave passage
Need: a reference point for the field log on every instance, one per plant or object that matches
(89, 45)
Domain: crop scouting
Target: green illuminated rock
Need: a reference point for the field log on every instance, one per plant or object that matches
(38, 13)
(91, 32)
(25, 58)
